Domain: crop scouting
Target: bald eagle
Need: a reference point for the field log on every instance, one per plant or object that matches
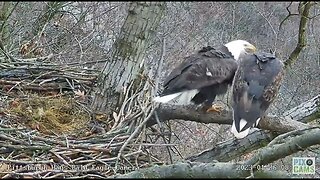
(204, 75)
(256, 84)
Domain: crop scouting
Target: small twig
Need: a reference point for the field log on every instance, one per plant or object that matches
(25, 60)
(67, 142)
(137, 130)
(26, 162)
(81, 51)
(150, 144)
(273, 30)
(287, 17)
(125, 100)
(14, 86)
(85, 63)
(124, 104)
(47, 80)
(59, 157)
(87, 176)
(53, 176)
(27, 147)
(109, 159)
(3, 136)
(112, 140)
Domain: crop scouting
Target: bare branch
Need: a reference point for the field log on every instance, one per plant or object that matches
(269, 154)
(306, 111)
(232, 148)
(228, 150)
(269, 23)
(192, 170)
(288, 16)
(222, 170)
(277, 124)
(302, 41)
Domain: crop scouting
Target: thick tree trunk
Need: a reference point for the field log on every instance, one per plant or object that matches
(127, 54)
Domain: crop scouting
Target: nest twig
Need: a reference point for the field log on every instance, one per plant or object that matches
(45, 76)
(27, 153)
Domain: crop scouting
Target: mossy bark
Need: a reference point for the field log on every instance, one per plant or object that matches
(256, 166)
(127, 54)
(302, 40)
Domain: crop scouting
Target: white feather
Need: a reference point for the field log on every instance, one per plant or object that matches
(181, 98)
(241, 134)
(167, 98)
(185, 97)
(237, 47)
(257, 122)
(244, 133)
(208, 73)
(243, 123)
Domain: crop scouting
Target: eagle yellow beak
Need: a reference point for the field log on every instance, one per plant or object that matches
(250, 48)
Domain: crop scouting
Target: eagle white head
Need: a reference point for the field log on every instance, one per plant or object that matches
(238, 47)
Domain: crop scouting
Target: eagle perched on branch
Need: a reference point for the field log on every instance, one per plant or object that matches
(256, 84)
(204, 75)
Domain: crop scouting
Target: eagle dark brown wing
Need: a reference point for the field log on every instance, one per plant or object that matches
(256, 84)
(209, 71)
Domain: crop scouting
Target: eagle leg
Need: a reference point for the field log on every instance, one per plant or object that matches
(215, 108)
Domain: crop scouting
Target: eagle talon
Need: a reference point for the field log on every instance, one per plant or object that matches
(215, 108)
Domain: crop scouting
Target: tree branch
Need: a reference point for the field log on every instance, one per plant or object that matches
(287, 17)
(302, 41)
(306, 111)
(232, 148)
(198, 170)
(266, 155)
(278, 124)
(228, 150)
(269, 154)
(167, 112)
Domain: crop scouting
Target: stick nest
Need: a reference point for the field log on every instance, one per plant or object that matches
(48, 131)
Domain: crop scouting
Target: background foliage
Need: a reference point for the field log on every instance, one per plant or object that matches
(81, 32)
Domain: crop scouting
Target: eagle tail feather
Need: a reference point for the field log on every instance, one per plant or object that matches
(167, 98)
(242, 133)
(180, 98)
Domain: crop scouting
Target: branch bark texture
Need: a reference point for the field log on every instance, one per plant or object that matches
(266, 155)
(232, 148)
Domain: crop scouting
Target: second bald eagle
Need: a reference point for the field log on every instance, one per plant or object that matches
(255, 86)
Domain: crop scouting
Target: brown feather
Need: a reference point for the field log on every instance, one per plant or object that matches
(192, 72)
(256, 85)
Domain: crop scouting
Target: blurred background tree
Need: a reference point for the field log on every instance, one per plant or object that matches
(91, 33)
